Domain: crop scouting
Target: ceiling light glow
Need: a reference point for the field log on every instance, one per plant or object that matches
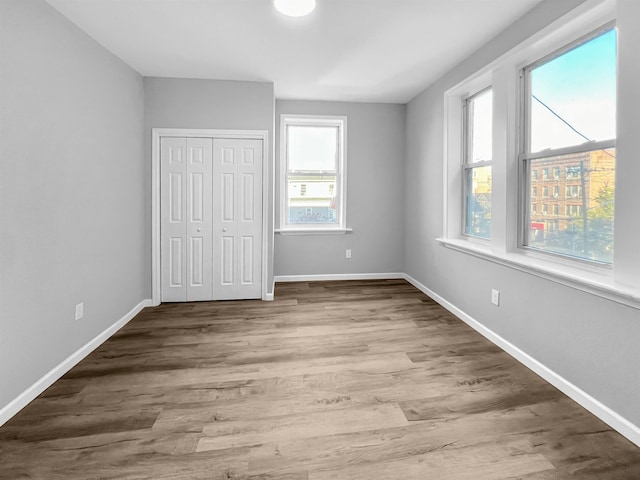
(295, 8)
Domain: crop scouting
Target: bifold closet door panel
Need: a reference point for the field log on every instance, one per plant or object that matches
(186, 219)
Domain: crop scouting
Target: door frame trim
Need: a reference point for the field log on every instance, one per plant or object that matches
(156, 135)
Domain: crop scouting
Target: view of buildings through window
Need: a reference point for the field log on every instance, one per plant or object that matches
(576, 216)
(571, 156)
(311, 199)
(313, 171)
(478, 214)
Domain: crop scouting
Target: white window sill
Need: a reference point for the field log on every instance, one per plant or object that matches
(593, 280)
(313, 231)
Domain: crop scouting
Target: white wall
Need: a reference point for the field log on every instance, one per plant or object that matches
(212, 104)
(375, 199)
(72, 218)
(590, 341)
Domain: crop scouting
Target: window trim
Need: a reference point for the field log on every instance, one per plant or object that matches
(621, 283)
(467, 165)
(576, 275)
(339, 121)
(525, 156)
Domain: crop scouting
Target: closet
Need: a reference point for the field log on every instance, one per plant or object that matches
(210, 218)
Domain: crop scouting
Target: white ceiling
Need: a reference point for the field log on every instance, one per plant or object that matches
(351, 50)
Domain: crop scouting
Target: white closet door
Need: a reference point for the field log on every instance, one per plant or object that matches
(237, 218)
(186, 219)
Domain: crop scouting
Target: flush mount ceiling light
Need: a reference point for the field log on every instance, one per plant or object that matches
(295, 8)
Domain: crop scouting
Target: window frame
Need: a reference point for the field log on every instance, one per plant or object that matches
(525, 156)
(468, 165)
(621, 281)
(340, 122)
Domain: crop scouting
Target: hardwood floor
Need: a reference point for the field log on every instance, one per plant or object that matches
(366, 380)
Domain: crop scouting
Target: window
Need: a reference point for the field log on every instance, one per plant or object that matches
(478, 118)
(571, 68)
(313, 159)
(573, 172)
(573, 211)
(574, 191)
(570, 112)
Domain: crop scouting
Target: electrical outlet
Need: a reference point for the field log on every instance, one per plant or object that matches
(495, 297)
(348, 253)
(79, 311)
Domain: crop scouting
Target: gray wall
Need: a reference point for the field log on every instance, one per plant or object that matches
(590, 341)
(375, 198)
(215, 104)
(72, 219)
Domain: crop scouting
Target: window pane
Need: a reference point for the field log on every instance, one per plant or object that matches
(479, 126)
(580, 221)
(478, 202)
(312, 199)
(312, 148)
(573, 96)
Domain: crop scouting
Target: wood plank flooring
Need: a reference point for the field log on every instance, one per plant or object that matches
(362, 380)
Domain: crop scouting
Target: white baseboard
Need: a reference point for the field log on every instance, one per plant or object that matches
(339, 276)
(604, 413)
(47, 380)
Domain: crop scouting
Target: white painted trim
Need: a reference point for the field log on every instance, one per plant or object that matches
(339, 276)
(266, 175)
(506, 246)
(157, 134)
(313, 231)
(339, 121)
(582, 276)
(63, 367)
(604, 413)
(156, 289)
